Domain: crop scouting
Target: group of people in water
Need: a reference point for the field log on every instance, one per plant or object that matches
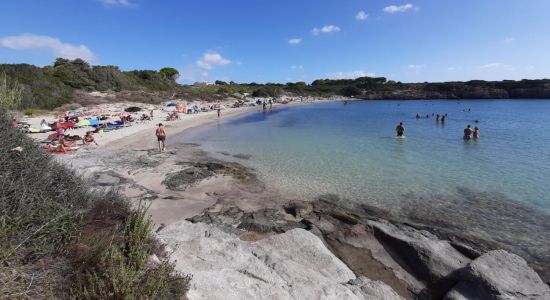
(438, 118)
(469, 133)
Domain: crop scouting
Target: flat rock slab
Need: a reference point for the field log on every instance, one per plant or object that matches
(292, 265)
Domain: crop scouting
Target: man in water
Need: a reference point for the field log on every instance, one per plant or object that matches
(467, 132)
(161, 137)
(400, 129)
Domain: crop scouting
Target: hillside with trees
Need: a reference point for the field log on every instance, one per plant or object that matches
(68, 81)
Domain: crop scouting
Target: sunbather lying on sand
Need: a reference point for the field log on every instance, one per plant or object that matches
(56, 149)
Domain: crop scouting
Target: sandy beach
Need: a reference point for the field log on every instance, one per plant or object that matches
(129, 161)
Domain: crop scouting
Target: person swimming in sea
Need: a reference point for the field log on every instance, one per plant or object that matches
(443, 118)
(417, 116)
(467, 132)
(400, 129)
(437, 118)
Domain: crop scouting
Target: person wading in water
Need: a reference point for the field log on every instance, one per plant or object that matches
(400, 129)
(467, 132)
(161, 137)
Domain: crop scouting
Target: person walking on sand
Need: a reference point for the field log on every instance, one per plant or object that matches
(151, 114)
(467, 132)
(161, 137)
(400, 129)
(219, 109)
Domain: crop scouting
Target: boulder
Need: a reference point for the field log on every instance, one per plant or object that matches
(372, 289)
(499, 275)
(428, 257)
(292, 265)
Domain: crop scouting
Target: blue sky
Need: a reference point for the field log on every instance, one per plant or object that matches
(285, 40)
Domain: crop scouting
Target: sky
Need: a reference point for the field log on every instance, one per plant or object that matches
(287, 40)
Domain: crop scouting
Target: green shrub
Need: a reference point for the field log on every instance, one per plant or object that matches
(60, 239)
(10, 93)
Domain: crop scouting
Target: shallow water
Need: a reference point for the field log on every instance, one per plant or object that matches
(351, 149)
(495, 189)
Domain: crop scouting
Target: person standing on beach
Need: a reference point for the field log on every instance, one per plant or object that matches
(400, 129)
(467, 132)
(151, 114)
(219, 110)
(161, 137)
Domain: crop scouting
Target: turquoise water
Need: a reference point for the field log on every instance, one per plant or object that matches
(494, 192)
(351, 150)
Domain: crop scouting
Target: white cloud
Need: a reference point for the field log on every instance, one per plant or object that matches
(361, 16)
(54, 45)
(398, 8)
(325, 29)
(295, 41)
(416, 67)
(297, 67)
(115, 2)
(508, 40)
(349, 75)
(192, 73)
(211, 59)
(451, 69)
(496, 65)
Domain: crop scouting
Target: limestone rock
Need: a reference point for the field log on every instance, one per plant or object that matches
(431, 258)
(371, 289)
(292, 265)
(500, 275)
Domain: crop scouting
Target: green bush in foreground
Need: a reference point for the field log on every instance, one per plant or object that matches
(59, 239)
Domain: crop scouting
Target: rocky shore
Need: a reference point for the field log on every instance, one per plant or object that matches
(244, 241)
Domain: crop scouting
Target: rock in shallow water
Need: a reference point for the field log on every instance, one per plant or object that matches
(292, 265)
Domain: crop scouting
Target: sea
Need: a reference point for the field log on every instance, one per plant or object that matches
(496, 187)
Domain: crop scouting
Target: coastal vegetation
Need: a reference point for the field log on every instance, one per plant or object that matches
(67, 81)
(61, 239)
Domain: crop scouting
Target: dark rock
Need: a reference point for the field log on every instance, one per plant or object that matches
(242, 156)
(181, 180)
(268, 220)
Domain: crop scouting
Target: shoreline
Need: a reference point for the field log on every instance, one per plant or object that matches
(131, 163)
